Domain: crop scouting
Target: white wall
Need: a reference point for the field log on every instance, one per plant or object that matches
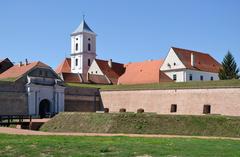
(37, 93)
(181, 75)
(74, 68)
(82, 54)
(94, 69)
(170, 60)
(196, 75)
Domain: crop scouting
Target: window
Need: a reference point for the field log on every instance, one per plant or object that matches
(96, 72)
(201, 78)
(212, 78)
(91, 72)
(76, 62)
(89, 62)
(77, 47)
(190, 77)
(89, 47)
(89, 39)
(174, 77)
(40, 72)
(206, 109)
(173, 108)
(76, 38)
(46, 74)
(174, 64)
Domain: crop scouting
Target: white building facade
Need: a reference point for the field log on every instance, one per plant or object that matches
(45, 93)
(185, 65)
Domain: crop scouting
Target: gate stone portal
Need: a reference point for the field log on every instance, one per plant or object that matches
(44, 108)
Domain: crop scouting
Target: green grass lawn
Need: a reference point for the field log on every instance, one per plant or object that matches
(144, 123)
(171, 85)
(34, 146)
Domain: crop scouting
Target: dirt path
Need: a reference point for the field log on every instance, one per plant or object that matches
(14, 131)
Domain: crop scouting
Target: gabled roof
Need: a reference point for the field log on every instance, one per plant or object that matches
(83, 27)
(202, 61)
(97, 79)
(17, 71)
(5, 64)
(114, 72)
(143, 73)
(64, 67)
(71, 78)
(5, 60)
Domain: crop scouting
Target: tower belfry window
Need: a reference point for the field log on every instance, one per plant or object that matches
(77, 47)
(89, 62)
(76, 62)
(89, 47)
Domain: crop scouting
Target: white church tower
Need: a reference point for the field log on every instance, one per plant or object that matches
(83, 48)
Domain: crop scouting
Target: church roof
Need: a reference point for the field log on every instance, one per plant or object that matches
(83, 27)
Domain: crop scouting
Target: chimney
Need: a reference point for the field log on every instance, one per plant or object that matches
(110, 63)
(192, 60)
(26, 62)
(20, 63)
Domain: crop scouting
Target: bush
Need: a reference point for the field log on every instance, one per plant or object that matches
(122, 110)
(106, 110)
(140, 110)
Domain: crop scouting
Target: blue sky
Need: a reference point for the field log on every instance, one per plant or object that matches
(128, 30)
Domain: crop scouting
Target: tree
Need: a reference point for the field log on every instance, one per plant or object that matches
(229, 68)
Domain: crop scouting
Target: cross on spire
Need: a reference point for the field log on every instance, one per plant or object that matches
(83, 16)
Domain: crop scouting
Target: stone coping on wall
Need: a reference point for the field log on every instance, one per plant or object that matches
(190, 88)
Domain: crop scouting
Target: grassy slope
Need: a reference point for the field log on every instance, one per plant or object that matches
(183, 85)
(28, 146)
(144, 124)
(8, 80)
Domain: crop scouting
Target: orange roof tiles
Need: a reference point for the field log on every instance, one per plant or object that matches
(97, 79)
(71, 78)
(202, 61)
(114, 72)
(64, 67)
(143, 73)
(17, 71)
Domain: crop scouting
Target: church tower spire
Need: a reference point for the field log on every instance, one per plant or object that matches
(83, 48)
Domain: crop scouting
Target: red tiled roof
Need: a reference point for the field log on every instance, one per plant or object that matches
(64, 67)
(143, 73)
(71, 78)
(97, 79)
(17, 71)
(5, 64)
(202, 61)
(112, 73)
